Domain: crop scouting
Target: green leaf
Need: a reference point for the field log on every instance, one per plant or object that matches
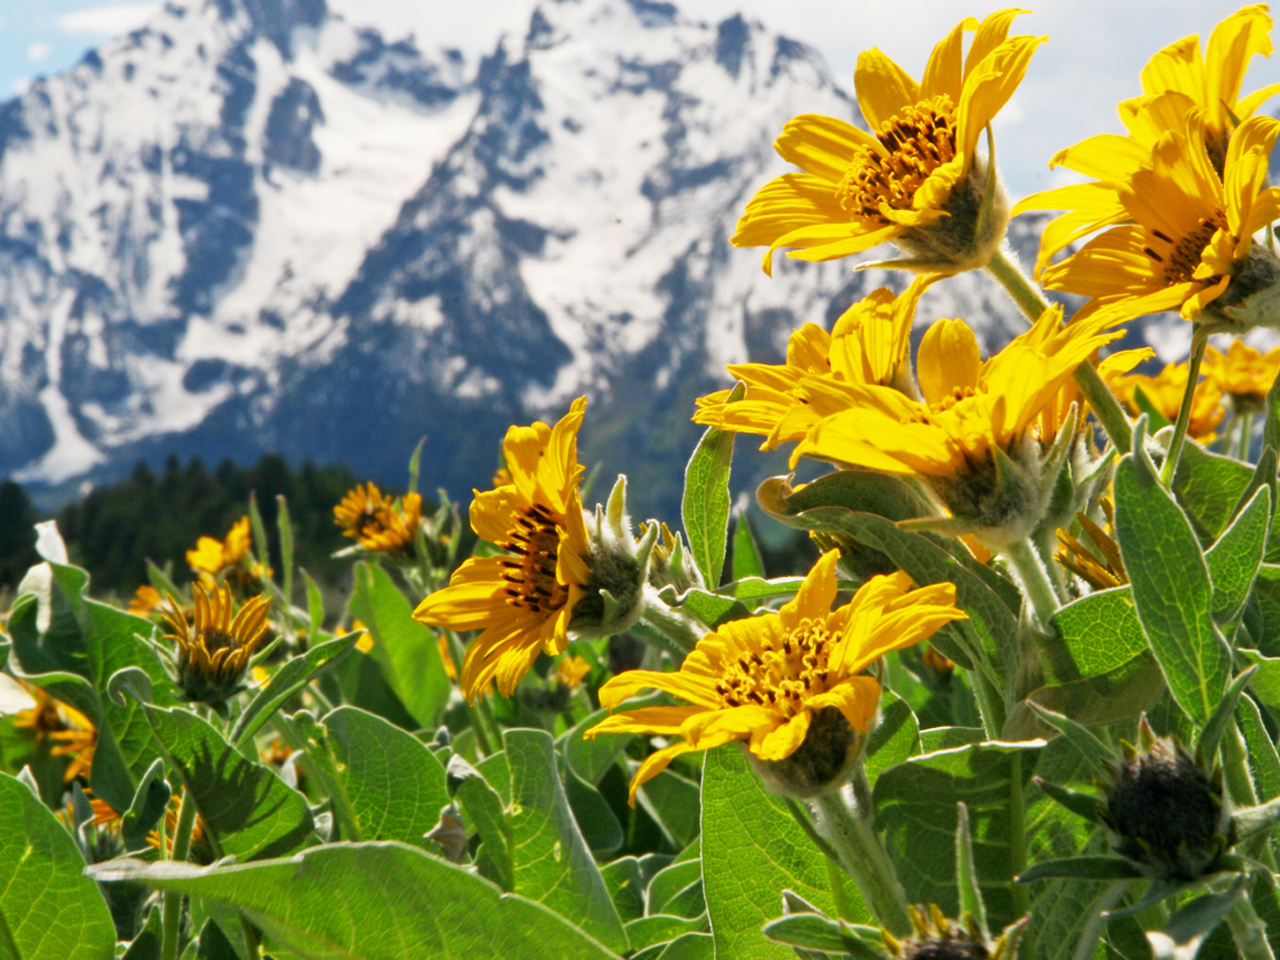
(1266, 682)
(375, 901)
(673, 802)
(149, 805)
(405, 649)
(753, 588)
(714, 609)
(746, 552)
(1223, 714)
(286, 683)
(485, 809)
(705, 507)
(48, 908)
(395, 785)
(315, 606)
(552, 863)
(661, 928)
(813, 931)
(752, 850)
(591, 759)
(1086, 868)
(1193, 922)
(967, 881)
(895, 738)
(625, 882)
(1101, 668)
(1171, 588)
(285, 528)
(59, 635)
(146, 944)
(689, 946)
(916, 806)
(1262, 752)
(1235, 559)
(1144, 405)
(248, 811)
(1208, 486)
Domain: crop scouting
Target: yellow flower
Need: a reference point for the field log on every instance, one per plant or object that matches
(1165, 390)
(916, 178)
(524, 602)
(376, 522)
(72, 733)
(145, 599)
(571, 670)
(868, 344)
(446, 657)
(212, 557)
(1212, 81)
(1180, 237)
(365, 643)
(772, 679)
(215, 647)
(1243, 374)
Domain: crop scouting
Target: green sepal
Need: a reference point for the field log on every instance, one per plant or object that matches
(1095, 752)
(814, 931)
(1082, 804)
(1158, 890)
(1216, 725)
(1082, 868)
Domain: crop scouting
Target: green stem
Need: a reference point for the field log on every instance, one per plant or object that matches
(1198, 344)
(172, 906)
(991, 705)
(1246, 436)
(1018, 837)
(1037, 588)
(852, 834)
(1249, 932)
(1032, 303)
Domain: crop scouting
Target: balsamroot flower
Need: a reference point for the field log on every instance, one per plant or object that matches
(790, 684)
(377, 522)
(523, 601)
(1164, 392)
(1179, 237)
(916, 178)
(215, 646)
(868, 344)
(1243, 374)
(975, 436)
(70, 732)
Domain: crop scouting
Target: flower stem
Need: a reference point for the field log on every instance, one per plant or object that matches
(1037, 588)
(172, 906)
(1248, 931)
(1032, 303)
(1198, 344)
(850, 831)
(683, 630)
(1018, 837)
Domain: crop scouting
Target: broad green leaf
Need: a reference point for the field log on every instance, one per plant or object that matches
(406, 649)
(248, 811)
(661, 928)
(315, 606)
(895, 738)
(1208, 486)
(705, 507)
(395, 785)
(62, 634)
(1171, 588)
(146, 944)
(49, 910)
(673, 802)
(486, 811)
(626, 885)
(813, 931)
(689, 946)
(591, 759)
(375, 901)
(751, 851)
(714, 609)
(668, 883)
(916, 806)
(285, 683)
(945, 738)
(1262, 752)
(746, 552)
(1234, 560)
(753, 588)
(552, 863)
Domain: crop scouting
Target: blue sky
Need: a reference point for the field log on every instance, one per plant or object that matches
(1096, 47)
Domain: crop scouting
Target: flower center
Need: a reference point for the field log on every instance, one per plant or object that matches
(919, 140)
(215, 640)
(1180, 258)
(780, 674)
(535, 541)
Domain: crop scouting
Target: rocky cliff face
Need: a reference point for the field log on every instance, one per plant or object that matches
(251, 227)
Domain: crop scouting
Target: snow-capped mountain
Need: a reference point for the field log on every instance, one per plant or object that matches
(250, 226)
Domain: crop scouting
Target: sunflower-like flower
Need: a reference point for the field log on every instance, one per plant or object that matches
(976, 435)
(215, 646)
(227, 561)
(1243, 374)
(868, 344)
(934, 936)
(789, 683)
(1211, 80)
(1179, 237)
(70, 732)
(377, 521)
(916, 179)
(1164, 393)
(523, 601)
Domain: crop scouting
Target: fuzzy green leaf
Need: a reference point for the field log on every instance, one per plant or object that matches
(751, 850)
(1171, 588)
(1208, 486)
(375, 901)
(704, 509)
(1235, 559)
(48, 909)
(405, 649)
(746, 552)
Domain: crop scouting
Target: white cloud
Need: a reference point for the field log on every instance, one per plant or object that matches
(39, 51)
(108, 21)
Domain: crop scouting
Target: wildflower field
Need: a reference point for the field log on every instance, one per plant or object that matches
(1024, 703)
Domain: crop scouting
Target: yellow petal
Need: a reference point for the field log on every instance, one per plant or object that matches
(783, 741)
(991, 34)
(883, 88)
(823, 146)
(857, 698)
(948, 361)
(944, 74)
(988, 88)
(816, 594)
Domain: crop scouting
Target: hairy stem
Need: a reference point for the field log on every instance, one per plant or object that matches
(681, 629)
(1198, 344)
(172, 905)
(850, 830)
(1037, 588)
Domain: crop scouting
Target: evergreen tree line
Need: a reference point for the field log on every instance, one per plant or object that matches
(115, 529)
